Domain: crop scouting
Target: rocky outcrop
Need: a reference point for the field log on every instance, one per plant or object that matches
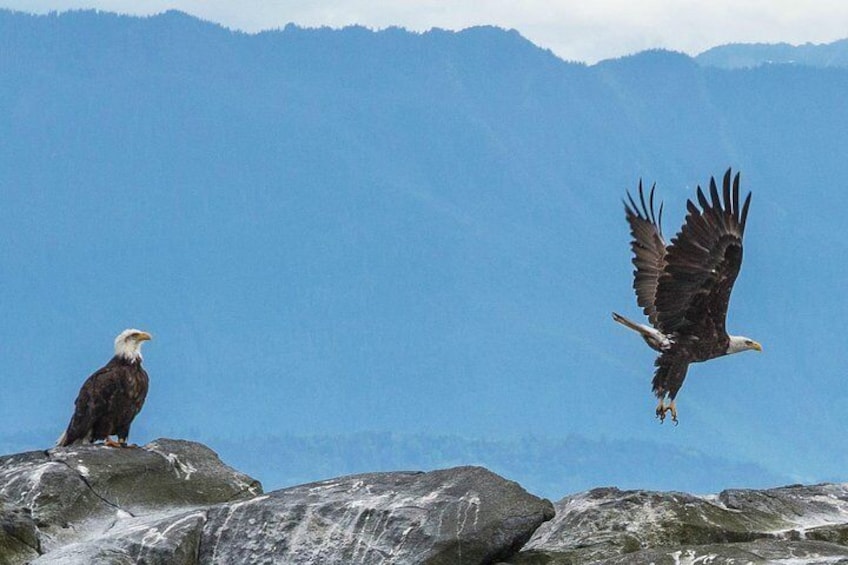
(97, 504)
(461, 515)
(174, 502)
(797, 524)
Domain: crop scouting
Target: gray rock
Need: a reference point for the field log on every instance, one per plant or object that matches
(59, 501)
(455, 516)
(760, 552)
(63, 498)
(153, 540)
(807, 523)
(174, 502)
(184, 473)
(607, 522)
(18, 535)
(801, 505)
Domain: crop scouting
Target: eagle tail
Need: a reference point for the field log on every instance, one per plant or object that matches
(652, 336)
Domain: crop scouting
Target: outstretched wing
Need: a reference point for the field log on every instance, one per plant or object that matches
(91, 404)
(702, 263)
(648, 250)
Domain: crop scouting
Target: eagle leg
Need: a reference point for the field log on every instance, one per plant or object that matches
(122, 442)
(662, 408)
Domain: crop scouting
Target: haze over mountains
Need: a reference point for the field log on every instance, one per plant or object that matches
(336, 232)
(736, 56)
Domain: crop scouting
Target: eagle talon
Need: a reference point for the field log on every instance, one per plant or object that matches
(660, 411)
(663, 408)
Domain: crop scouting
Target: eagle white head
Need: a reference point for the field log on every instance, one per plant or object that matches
(741, 343)
(128, 344)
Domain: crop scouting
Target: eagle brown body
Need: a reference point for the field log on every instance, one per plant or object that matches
(684, 288)
(110, 399)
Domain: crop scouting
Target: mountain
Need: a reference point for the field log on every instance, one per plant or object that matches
(334, 232)
(544, 466)
(748, 55)
(549, 467)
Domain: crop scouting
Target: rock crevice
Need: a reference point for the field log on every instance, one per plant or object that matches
(86, 483)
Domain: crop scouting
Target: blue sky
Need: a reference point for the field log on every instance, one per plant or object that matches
(580, 31)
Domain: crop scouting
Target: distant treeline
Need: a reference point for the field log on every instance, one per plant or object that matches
(548, 467)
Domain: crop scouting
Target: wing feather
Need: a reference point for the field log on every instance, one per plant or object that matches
(702, 263)
(649, 249)
(726, 189)
(90, 405)
(745, 212)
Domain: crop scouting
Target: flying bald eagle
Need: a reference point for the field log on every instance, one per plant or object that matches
(110, 398)
(684, 288)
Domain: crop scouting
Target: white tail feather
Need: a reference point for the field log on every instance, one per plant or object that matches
(652, 336)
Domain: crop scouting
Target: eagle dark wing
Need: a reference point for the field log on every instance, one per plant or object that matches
(649, 250)
(107, 402)
(91, 404)
(702, 263)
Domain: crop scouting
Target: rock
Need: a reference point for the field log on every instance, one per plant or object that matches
(60, 503)
(18, 535)
(183, 473)
(71, 495)
(759, 552)
(461, 515)
(174, 502)
(170, 540)
(613, 526)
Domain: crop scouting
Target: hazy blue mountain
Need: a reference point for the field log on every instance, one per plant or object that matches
(332, 232)
(748, 55)
(545, 466)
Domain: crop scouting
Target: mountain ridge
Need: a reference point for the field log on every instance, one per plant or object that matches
(748, 55)
(735, 55)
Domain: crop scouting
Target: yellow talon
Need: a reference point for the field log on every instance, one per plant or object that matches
(662, 408)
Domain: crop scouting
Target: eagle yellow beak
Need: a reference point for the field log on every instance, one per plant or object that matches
(757, 346)
(144, 336)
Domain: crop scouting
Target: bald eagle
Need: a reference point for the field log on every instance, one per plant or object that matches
(110, 398)
(684, 288)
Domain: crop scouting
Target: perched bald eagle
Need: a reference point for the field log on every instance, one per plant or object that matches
(684, 288)
(110, 398)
